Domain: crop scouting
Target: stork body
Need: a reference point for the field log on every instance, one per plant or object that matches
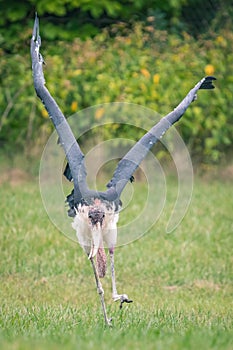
(95, 214)
(96, 227)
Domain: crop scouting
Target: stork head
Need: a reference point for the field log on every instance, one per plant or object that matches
(96, 217)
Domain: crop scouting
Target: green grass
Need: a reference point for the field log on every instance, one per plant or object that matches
(181, 283)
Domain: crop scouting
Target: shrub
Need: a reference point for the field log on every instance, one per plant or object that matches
(143, 66)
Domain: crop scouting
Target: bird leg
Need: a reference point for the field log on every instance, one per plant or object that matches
(122, 297)
(100, 292)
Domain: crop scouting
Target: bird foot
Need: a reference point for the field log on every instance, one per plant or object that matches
(123, 299)
(108, 322)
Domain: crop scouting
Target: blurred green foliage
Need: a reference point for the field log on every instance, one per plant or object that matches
(71, 18)
(67, 19)
(138, 64)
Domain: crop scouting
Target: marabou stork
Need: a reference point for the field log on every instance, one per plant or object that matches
(95, 214)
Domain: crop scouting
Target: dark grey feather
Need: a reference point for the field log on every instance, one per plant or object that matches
(67, 140)
(127, 166)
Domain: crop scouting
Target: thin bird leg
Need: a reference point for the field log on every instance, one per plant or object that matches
(122, 297)
(100, 292)
(114, 289)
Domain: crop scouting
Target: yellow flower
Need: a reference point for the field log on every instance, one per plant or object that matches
(156, 78)
(74, 106)
(99, 113)
(154, 94)
(143, 87)
(221, 41)
(77, 72)
(145, 72)
(44, 113)
(209, 69)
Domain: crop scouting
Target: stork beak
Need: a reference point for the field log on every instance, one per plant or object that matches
(93, 252)
(96, 240)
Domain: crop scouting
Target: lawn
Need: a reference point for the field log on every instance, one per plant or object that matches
(181, 283)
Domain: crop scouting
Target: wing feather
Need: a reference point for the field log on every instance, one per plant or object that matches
(67, 140)
(127, 165)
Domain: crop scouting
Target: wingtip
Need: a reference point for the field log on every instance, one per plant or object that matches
(208, 83)
(35, 32)
(210, 77)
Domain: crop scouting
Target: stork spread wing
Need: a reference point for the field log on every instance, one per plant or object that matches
(127, 165)
(76, 168)
(72, 150)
